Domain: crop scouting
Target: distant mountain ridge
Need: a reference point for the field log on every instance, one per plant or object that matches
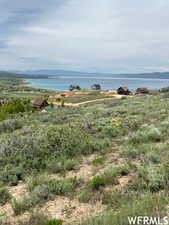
(6, 74)
(48, 73)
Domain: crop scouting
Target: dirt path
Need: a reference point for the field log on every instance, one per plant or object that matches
(86, 102)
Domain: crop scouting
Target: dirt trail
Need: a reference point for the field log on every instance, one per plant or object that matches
(86, 102)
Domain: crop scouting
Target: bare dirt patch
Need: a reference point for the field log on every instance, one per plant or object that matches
(18, 191)
(8, 214)
(71, 211)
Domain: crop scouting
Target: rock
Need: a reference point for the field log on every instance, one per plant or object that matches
(123, 91)
(96, 87)
(142, 91)
(74, 87)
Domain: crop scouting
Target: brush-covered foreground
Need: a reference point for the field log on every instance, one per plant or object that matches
(95, 164)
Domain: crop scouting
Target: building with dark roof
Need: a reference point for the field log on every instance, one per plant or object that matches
(40, 103)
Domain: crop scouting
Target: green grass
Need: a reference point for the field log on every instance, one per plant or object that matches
(149, 205)
(109, 177)
(62, 165)
(85, 195)
(54, 222)
(99, 161)
(37, 180)
(115, 198)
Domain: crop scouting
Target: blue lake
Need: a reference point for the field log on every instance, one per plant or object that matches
(107, 82)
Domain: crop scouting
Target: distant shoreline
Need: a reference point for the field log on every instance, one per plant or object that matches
(63, 83)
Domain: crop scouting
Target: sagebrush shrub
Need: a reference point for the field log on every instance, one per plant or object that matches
(36, 180)
(36, 218)
(4, 195)
(145, 134)
(33, 151)
(54, 222)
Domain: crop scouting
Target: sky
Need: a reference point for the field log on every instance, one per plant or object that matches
(115, 36)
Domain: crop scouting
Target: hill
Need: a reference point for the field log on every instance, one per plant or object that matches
(93, 164)
(162, 75)
(6, 75)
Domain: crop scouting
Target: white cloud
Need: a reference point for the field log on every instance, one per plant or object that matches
(91, 35)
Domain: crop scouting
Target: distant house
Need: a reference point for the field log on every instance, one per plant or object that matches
(40, 103)
(123, 91)
(96, 87)
(142, 91)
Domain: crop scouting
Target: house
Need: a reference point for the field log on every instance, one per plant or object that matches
(123, 91)
(142, 91)
(40, 103)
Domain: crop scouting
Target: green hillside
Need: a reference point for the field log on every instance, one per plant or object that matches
(94, 164)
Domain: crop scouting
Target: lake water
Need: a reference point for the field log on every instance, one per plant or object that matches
(107, 82)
